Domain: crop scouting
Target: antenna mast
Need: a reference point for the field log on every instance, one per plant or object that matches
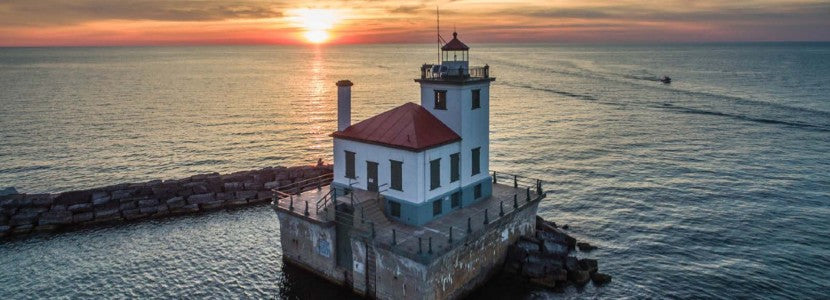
(438, 31)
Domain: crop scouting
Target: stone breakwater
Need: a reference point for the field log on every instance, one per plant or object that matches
(22, 214)
(545, 259)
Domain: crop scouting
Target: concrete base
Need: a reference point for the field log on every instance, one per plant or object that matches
(382, 270)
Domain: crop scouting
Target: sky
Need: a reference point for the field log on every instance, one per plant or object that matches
(199, 22)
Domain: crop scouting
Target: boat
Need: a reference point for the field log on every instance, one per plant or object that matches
(665, 79)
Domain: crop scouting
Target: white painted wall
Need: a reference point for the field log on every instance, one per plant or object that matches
(412, 168)
(442, 152)
(472, 125)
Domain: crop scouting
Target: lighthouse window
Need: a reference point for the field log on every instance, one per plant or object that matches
(436, 207)
(350, 165)
(454, 174)
(434, 174)
(456, 199)
(397, 174)
(476, 158)
(476, 99)
(477, 191)
(441, 99)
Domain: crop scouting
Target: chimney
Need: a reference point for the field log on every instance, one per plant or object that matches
(344, 104)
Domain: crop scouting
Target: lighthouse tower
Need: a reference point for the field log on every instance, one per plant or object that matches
(459, 96)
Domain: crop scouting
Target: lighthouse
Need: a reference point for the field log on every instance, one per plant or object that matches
(426, 159)
(412, 209)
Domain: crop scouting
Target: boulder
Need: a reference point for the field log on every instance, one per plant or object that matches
(272, 185)
(533, 270)
(9, 201)
(251, 185)
(211, 205)
(100, 198)
(600, 278)
(201, 198)
(128, 205)
(148, 203)
(161, 210)
(246, 195)
(45, 228)
(589, 265)
(62, 207)
(579, 277)
(175, 202)
(8, 191)
(233, 186)
(23, 229)
(190, 208)
(78, 208)
(33, 209)
(555, 248)
(585, 247)
(184, 192)
(5, 229)
(121, 194)
(55, 218)
(41, 199)
(571, 263)
(263, 196)
(23, 218)
(133, 214)
(83, 217)
(557, 237)
(107, 215)
(73, 197)
(149, 210)
(198, 187)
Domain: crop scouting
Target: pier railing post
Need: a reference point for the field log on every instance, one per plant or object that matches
(419, 246)
(450, 240)
(528, 194)
(291, 202)
(469, 225)
(495, 180)
(515, 202)
(486, 217)
(306, 208)
(538, 187)
(430, 245)
(394, 237)
(501, 208)
(515, 182)
(362, 216)
(372, 223)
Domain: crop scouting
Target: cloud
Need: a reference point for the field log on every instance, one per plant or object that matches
(57, 12)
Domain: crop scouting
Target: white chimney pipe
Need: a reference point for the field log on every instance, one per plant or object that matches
(344, 104)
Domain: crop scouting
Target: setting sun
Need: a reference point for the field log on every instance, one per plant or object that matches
(315, 22)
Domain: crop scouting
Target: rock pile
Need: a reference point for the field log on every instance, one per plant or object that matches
(545, 259)
(25, 213)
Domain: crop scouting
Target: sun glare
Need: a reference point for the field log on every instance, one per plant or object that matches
(316, 22)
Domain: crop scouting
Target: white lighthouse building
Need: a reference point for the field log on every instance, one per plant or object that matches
(411, 209)
(426, 160)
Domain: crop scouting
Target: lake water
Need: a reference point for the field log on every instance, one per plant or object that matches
(715, 186)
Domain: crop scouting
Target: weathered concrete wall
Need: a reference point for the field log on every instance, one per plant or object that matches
(468, 266)
(25, 213)
(310, 245)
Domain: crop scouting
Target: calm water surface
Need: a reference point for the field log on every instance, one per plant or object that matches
(716, 186)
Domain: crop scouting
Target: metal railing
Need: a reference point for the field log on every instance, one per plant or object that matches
(290, 190)
(435, 72)
(518, 181)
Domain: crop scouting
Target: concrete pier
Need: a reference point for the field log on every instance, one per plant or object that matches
(349, 240)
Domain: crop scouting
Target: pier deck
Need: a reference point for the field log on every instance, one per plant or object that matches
(418, 243)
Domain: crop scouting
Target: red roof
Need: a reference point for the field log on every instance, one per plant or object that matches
(455, 44)
(408, 126)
